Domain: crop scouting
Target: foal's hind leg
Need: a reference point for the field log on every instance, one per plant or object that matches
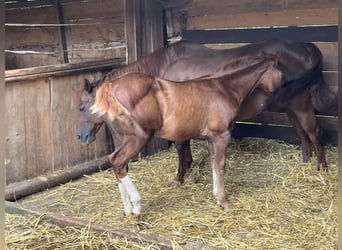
(184, 162)
(303, 110)
(217, 150)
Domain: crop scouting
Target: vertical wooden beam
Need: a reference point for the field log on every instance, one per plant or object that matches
(61, 29)
(152, 26)
(157, 26)
(2, 122)
(146, 27)
(143, 28)
(141, 22)
(169, 23)
(133, 30)
(152, 39)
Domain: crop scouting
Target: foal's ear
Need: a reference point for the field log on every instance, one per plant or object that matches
(87, 85)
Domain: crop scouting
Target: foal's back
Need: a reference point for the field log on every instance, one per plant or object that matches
(189, 108)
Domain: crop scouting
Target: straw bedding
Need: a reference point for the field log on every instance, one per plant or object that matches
(279, 203)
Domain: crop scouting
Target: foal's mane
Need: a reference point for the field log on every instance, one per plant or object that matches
(238, 64)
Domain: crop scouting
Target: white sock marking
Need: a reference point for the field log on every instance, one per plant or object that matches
(214, 183)
(125, 199)
(133, 194)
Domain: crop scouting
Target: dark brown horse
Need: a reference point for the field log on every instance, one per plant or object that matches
(137, 107)
(301, 64)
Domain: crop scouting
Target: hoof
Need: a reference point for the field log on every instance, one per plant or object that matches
(135, 216)
(175, 184)
(127, 212)
(227, 208)
(325, 168)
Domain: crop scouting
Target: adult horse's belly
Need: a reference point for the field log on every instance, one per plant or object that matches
(253, 105)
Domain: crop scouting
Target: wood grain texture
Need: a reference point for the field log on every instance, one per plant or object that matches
(306, 33)
(327, 16)
(41, 127)
(67, 150)
(15, 147)
(30, 15)
(62, 69)
(21, 189)
(101, 24)
(94, 10)
(133, 30)
(204, 7)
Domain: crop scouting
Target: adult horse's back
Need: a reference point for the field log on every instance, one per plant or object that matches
(300, 61)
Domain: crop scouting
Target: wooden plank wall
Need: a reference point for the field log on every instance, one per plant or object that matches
(227, 24)
(94, 30)
(40, 121)
(41, 112)
(264, 13)
(103, 38)
(39, 39)
(211, 24)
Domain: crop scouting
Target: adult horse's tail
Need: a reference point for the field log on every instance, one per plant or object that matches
(311, 82)
(323, 98)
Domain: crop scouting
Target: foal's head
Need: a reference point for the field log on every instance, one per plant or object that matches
(88, 123)
(272, 78)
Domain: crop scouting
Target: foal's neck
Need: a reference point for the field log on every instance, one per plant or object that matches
(243, 82)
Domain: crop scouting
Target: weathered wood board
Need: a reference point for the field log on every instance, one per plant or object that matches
(41, 127)
(94, 30)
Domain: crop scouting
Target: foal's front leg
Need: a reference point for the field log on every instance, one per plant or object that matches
(130, 196)
(118, 142)
(119, 159)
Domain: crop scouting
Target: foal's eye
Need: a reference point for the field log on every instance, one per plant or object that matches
(82, 109)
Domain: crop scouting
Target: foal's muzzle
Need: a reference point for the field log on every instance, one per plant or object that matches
(86, 138)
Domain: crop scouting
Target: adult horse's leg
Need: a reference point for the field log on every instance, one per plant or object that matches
(184, 161)
(305, 141)
(301, 108)
(217, 150)
(130, 146)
